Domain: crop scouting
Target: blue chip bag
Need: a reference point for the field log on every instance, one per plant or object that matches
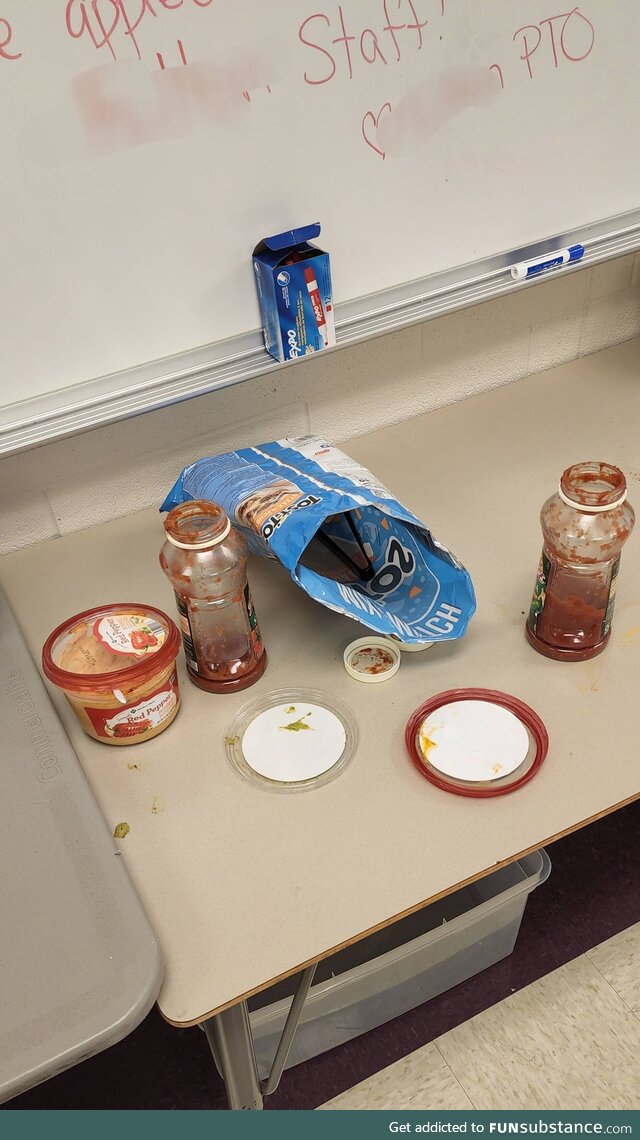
(342, 536)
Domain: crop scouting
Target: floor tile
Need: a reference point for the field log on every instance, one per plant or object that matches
(421, 1080)
(618, 960)
(567, 1041)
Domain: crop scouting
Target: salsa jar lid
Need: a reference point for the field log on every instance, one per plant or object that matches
(109, 646)
(372, 659)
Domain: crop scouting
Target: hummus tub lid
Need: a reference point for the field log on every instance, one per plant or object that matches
(109, 646)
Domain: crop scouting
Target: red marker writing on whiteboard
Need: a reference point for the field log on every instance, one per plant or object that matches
(316, 304)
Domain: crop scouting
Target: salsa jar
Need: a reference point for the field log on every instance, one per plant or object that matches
(584, 527)
(205, 559)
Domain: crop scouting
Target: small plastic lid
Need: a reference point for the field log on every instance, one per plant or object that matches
(103, 648)
(372, 659)
(415, 647)
(476, 742)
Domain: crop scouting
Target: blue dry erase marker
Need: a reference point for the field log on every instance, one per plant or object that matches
(559, 257)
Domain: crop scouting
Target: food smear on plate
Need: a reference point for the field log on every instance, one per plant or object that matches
(297, 725)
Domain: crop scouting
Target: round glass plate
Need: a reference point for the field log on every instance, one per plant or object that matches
(292, 739)
(512, 751)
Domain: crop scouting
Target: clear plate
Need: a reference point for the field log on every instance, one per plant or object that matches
(292, 740)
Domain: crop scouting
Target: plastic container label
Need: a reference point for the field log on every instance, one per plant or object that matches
(130, 633)
(136, 719)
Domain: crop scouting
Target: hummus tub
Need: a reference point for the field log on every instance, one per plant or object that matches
(116, 665)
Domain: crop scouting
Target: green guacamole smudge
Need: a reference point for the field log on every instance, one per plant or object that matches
(297, 725)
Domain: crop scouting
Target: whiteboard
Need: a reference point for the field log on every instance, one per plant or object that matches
(148, 145)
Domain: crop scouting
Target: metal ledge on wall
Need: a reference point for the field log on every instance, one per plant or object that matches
(160, 383)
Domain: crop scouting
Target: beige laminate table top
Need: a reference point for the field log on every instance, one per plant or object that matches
(243, 885)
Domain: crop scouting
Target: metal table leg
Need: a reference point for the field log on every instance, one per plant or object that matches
(231, 1043)
(230, 1040)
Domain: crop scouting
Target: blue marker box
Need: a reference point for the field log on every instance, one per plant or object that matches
(293, 278)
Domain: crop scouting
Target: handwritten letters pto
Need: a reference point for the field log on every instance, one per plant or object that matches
(327, 43)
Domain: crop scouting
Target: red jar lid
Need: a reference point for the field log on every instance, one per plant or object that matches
(109, 647)
(515, 744)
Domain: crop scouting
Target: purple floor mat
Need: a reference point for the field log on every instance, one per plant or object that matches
(593, 892)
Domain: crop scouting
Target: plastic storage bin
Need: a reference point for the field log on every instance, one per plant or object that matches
(402, 966)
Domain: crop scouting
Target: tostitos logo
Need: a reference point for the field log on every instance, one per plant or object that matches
(283, 278)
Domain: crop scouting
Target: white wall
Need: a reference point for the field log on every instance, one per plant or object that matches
(113, 471)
